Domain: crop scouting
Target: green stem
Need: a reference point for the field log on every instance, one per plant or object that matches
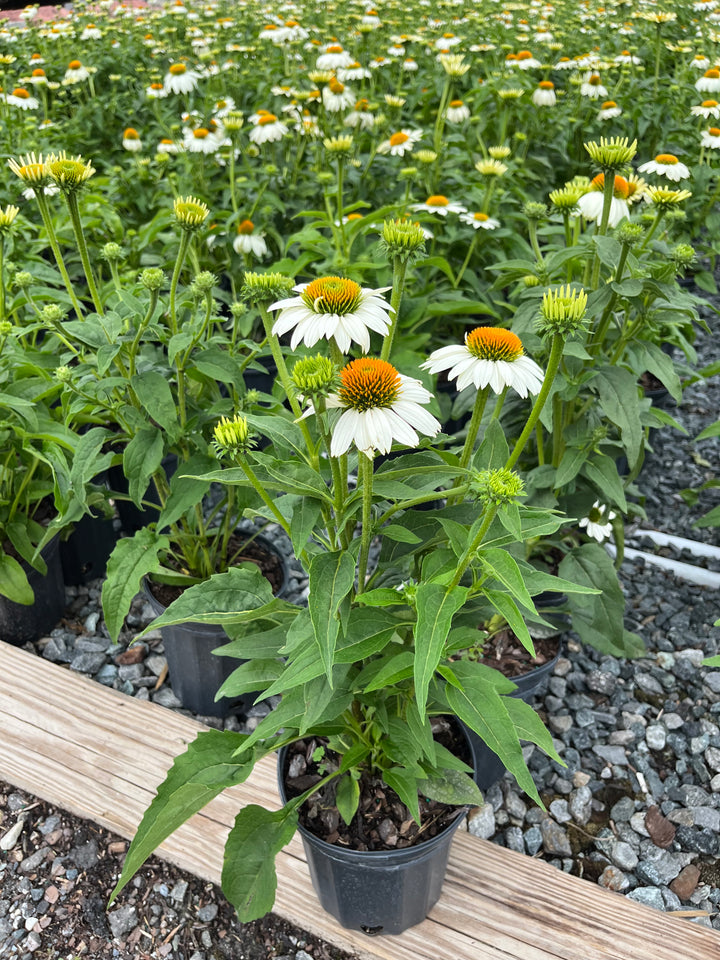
(463, 268)
(474, 426)
(466, 559)
(609, 188)
(2, 277)
(365, 479)
(602, 327)
(550, 373)
(653, 229)
(50, 230)
(266, 499)
(399, 271)
(74, 209)
(141, 328)
(182, 253)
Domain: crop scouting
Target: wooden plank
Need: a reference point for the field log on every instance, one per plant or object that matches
(101, 755)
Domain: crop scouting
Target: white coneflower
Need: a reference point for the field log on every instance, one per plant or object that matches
(75, 73)
(223, 107)
(396, 50)
(268, 129)
(490, 356)
(609, 110)
(91, 32)
(370, 19)
(439, 204)
(409, 65)
(700, 62)
(526, 61)
(709, 82)
(457, 112)
(248, 241)
(480, 221)
(400, 143)
(36, 60)
(168, 146)
(565, 63)
(354, 72)
(361, 116)
(592, 87)
(709, 109)
(332, 308)
(666, 165)
(22, 99)
(38, 78)
(446, 41)
(334, 57)
(155, 91)
(627, 59)
(590, 204)
(544, 94)
(598, 524)
(131, 140)
(711, 138)
(179, 79)
(199, 140)
(380, 406)
(336, 97)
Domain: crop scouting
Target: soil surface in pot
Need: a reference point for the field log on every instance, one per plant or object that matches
(270, 565)
(505, 653)
(382, 821)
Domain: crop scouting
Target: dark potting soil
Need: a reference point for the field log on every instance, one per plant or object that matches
(382, 820)
(505, 653)
(269, 564)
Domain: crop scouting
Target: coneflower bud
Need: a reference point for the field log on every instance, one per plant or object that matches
(203, 283)
(453, 64)
(563, 310)
(663, 198)
(315, 377)
(612, 153)
(497, 487)
(63, 374)
(500, 152)
(683, 256)
(190, 213)
(231, 438)
(152, 278)
(69, 173)
(425, 156)
(265, 287)
(629, 234)
(339, 146)
(51, 314)
(490, 168)
(402, 238)
(5, 328)
(534, 211)
(112, 252)
(22, 280)
(7, 218)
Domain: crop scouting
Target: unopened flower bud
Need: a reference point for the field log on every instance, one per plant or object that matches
(5, 328)
(232, 438)
(190, 213)
(22, 280)
(152, 278)
(683, 255)
(629, 234)
(534, 211)
(51, 314)
(7, 217)
(63, 374)
(315, 376)
(402, 238)
(563, 310)
(112, 252)
(497, 487)
(203, 283)
(69, 173)
(339, 146)
(612, 153)
(265, 287)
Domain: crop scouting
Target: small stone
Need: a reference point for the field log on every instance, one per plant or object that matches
(580, 804)
(122, 921)
(707, 817)
(712, 758)
(613, 755)
(31, 863)
(655, 736)
(481, 821)
(560, 724)
(85, 856)
(166, 698)
(559, 811)
(178, 891)
(515, 807)
(685, 883)
(91, 621)
(623, 855)
(715, 783)
(673, 721)
(581, 779)
(601, 682)
(554, 839)
(533, 840)
(33, 941)
(56, 651)
(613, 879)
(51, 894)
(650, 896)
(621, 811)
(207, 913)
(514, 839)
(156, 664)
(659, 827)
(87, 662)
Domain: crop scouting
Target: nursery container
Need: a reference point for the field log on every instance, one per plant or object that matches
(20, 623)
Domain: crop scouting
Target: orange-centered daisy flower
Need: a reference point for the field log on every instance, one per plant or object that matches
(591, 204)
(381, 406)
(490, 357)
(667, 165)
(332, 308)
(438, 203)
(179, 79)
(400, 143)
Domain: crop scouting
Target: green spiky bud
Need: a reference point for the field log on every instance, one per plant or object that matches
(563, 310)
(22, 280)
(190, 213)
(497, 487)
(152, 278)
(629, 234)
(402, 238)
(612, 153)
(232, 438)
(265, 287)
(203, 283)
(315, 376)
(112, 252)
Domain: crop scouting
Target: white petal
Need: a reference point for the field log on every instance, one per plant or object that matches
(344, 433)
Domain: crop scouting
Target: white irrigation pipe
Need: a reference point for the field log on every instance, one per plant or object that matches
(681, 543)
(685, 571)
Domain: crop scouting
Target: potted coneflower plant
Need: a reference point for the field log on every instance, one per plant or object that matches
(373, 694)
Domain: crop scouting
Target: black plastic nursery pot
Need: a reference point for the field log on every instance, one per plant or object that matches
(84, 555)
(377, 891)
(20, 623)
(196, 674)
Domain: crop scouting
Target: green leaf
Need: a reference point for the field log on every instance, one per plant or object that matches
(131, 560)
(629, 287)
(453, 787)
(530, 727)
(222, 598)
(499, 565)
(154, 393)
(399, 533)
(381, 597)
(608, 250)
(436, 606)
(570, 464)
(390, 669)
(507, 607)
(493, 452)
(305, 514)
(197, 776)
(141, 458)
(185, 491)
(405, 784)
(331, 577)
(14, 582)
(618, 392)
(367, 632)
(347, 797)
(254, 676)
(601, 470)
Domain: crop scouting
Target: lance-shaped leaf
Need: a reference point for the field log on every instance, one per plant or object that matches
(131, 560)
(331, 577)
(205, 769)
(154, 393)
(436, 606)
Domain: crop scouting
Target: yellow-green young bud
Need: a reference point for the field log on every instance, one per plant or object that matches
(63, 374)
(530, 280)
(231, 438)
(453, 64)
(69, 173)
(162, 158)
(324, 176)
(152, 278)
(270, 169)
(534, 211)
(7, 218)
(339, 146)
(683, 255)
(190, 213)
(629, 234)
(563, 310)
(51, 314)
(22, 280)
(663, 198)
(233, 122)
(425, 156)
(402, 238)
(250, 398)
(675, 215)
(490, 168)
(238, 309)
(498, 487)
(112, 252)
(203, 283)
(612, 153)
(265, 287)
(5, 328)
(500, 152)
(315, 376)
(408, 173)
(565, 199)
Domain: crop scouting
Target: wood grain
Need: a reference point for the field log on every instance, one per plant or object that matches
(101, 755)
